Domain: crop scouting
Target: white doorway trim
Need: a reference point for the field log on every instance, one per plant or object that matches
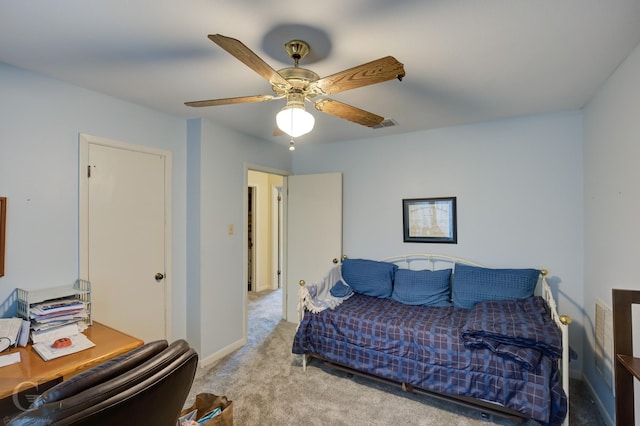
(83, 232)
(254, 232)
(245, 234)
(276, 236)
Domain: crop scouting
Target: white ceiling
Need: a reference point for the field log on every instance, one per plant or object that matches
(466, 61)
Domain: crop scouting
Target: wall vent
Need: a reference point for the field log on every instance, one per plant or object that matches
(604, 342)
(387, 122)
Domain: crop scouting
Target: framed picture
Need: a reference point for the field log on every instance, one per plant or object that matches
(3, 227)
(430, 220)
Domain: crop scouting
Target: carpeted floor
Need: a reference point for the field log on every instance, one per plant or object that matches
(267, 385)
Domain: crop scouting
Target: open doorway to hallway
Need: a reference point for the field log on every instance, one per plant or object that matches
(264, 231)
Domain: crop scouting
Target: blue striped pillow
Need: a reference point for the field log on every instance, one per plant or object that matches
(369, 277)
(472, 284)
(425, 287)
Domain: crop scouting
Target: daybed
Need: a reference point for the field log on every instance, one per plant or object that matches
(443, 326)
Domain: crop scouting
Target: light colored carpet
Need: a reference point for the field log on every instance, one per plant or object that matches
(268, 387)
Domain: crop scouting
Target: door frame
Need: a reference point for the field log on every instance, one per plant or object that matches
(245, 237)
(276, 235)
(84, 140)
(254, 229)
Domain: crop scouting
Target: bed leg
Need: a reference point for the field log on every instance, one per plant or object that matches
(407, 387)
(304, 362)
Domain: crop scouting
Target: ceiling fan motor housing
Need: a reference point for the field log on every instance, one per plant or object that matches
(298, 78)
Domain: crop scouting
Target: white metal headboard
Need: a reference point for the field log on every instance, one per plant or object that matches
(428, 258)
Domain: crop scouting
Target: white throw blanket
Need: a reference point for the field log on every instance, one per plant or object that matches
(316, 297)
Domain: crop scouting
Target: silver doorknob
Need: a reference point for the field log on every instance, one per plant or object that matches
(159, 276)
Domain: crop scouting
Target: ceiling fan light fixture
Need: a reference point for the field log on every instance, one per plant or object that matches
(294, 120)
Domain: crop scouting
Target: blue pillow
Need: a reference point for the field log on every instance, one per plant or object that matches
(472, 284)
(369, 277)
(427, 288)
(340, 289)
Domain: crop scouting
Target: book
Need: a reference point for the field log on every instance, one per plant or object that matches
(23, 338)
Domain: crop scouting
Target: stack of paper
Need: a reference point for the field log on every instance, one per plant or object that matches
(13, 331)
(57, 318)
(51, 334)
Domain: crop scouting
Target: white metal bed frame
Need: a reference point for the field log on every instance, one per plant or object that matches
(433, 261)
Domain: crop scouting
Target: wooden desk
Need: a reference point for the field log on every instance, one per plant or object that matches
(33, 371)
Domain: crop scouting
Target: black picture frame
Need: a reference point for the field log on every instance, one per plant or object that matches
(430, 220)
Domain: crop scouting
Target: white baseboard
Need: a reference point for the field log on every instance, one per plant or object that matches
(603, 412)
(216, 356)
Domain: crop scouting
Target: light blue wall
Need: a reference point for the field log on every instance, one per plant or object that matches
(194, 301)
(40, 120)
(612, 201)
(223, 156)
(518, 185)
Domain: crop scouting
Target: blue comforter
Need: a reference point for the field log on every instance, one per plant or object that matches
(441, 349)
(519, 329)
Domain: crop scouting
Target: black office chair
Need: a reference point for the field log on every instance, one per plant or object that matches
(148, 385)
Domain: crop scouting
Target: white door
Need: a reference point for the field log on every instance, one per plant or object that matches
(314, 231)
(126, 238)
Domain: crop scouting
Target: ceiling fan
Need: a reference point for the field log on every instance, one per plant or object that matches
(298, 85)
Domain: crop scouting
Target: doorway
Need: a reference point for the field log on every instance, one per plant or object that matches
(264, 231)
(262, 181)
(308, 247)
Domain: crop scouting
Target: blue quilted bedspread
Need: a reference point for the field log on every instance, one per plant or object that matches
(504, 352)
(521, 329)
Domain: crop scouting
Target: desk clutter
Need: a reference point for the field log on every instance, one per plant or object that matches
(57, 317)
(13, 332)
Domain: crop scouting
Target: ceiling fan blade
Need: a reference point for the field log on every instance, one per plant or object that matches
(249, 58)
(373, 72)
(348, 112)
(231, 101)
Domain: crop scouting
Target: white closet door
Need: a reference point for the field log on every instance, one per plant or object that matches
(126, 239)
